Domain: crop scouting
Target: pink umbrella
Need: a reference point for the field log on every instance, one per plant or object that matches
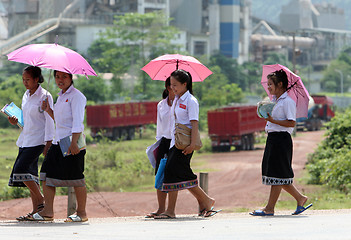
(161, 67)
(296, 89)
(52, 56)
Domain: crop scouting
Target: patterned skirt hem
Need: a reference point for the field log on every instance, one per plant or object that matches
(180, 185)
(52, 182)
(18, 179)
(276, 181)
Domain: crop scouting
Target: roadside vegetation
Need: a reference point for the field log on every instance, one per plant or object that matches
(330, 164)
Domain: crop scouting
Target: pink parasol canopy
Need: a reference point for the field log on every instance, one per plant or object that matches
(161, 67)
(52, 56)
(296, 89)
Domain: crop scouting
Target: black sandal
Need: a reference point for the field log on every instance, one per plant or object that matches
(29, 215)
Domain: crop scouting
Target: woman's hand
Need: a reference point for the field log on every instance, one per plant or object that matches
(45, 105)
(13, 120)
(46, 148)
(73, 148)
(269, 118)
(189, 149)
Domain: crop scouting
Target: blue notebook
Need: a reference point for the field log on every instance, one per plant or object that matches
(66, 142)
(12, 110)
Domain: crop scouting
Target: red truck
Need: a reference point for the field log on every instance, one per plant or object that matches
(234, 126)
(119, 121)
(321, 110)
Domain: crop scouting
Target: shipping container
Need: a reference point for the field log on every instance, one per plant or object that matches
(120, 121)
(234, 126)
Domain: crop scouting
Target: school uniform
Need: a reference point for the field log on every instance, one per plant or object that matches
(277, 158)
(178, 174)
(163, 130)
(37, 130)
(59, 171)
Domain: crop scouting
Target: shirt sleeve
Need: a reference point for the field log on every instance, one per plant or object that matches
(78, 104)
(49, 122)
(193, 109)
(158, 123)
(290, 110)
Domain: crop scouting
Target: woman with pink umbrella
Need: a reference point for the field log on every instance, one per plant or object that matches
(178, 174)
(59, 170)
(277, 171)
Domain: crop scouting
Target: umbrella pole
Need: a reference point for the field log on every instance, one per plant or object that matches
(177, 64)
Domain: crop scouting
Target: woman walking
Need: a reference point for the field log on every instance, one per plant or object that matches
(65, 171)
(35, 138)
(163, 133)
(277, 159)
(178, 173)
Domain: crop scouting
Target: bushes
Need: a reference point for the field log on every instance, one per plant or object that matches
(330, 164)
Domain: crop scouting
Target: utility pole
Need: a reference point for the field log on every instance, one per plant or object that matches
(341, 81)
(294, 53)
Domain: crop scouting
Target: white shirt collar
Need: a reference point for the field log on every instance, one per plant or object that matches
(284, 95)
(185, 95)
(36, 91)
(70, 88)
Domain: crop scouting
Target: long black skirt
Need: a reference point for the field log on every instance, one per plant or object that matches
(25, 167)
(163, 150)
(277, 159)
(178, 174)
(59, 171)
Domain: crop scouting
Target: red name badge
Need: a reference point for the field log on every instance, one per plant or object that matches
(182, 106)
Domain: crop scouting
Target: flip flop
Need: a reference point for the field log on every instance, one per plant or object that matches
(202, 212)
(212, 212)
(260, 213)
(24, 218)
(301, 209)
(164, 216)
(151, 215)
(75, 218)
(38, 217)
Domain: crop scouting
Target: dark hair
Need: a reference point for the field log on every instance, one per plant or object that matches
(183, 76)
(167, 84)
(279, 76)
(70, 75)
(35, 72)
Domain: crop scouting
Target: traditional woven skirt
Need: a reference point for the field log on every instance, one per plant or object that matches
(59, 171)
(178, 174)
(277, 159)
(163, 149)
(26, 166)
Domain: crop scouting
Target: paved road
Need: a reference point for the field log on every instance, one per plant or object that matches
(319, 225)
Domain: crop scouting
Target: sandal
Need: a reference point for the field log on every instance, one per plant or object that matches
(75, 218)
(152, 215)
(29, 215)
(38, 217)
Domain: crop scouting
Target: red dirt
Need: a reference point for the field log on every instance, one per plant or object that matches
(235, 183)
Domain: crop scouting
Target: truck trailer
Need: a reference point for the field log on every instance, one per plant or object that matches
(121, 120)
(234, 126)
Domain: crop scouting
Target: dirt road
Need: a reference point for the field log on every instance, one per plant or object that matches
(234, 183)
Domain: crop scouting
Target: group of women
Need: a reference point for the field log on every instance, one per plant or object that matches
(178, 106)
(45, 124)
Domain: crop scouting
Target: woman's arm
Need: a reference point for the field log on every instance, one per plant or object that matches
(283, 123)
(73, 148)
(195, 128)
(46, 107)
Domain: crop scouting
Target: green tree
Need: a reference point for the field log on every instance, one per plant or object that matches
(130, 43)
(331, 81)
(94, 88)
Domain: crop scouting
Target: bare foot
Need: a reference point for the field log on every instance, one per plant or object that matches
(165, 215)
(302, 201)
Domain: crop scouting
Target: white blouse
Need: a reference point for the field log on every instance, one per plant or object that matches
(186, 109)
(164, 127)
(285, 109)
(69, 111)
(38, 126)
